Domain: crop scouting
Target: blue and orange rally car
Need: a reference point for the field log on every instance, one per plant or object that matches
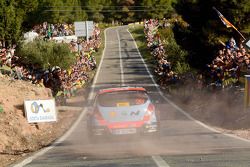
(125, 110)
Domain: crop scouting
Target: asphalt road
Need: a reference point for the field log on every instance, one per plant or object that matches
(182, 142)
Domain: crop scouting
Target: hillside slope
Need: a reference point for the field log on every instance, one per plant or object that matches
(17, 136)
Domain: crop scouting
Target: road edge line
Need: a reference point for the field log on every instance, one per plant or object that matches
(178, 108)
(120, 56)
(66, 135)
(159, 161)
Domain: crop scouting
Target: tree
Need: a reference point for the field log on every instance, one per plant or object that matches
(77, 13)
(124, 13)
(12, 15)
(94, 9)
(201, 38)
(240, 14)
(157, 9)
(108, 11)
(10, 22)
(73, 11)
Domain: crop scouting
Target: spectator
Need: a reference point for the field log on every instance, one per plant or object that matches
(55, 78)
(228, 64)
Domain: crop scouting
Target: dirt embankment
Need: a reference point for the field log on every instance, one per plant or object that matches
(221, 109)
(17, 136)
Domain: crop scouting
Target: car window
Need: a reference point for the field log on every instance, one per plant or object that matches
(122, 98)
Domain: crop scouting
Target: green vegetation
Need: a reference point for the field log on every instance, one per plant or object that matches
(199, 37)
(45, 54)
(12, 16)
(139, 36)
(174, 53)
(18, 16)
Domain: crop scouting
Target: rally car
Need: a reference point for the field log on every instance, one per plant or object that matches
(122, 111)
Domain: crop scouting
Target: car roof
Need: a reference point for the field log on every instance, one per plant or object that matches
(109, 90)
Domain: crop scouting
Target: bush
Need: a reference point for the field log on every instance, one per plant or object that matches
(45, 54)
(182, 68)
(175, 54)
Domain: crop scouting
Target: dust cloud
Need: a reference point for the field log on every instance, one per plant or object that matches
(223, 108)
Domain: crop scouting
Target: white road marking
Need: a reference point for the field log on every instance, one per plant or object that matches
(73, 127)
(177, 107)
(120, 55)
(159, 161)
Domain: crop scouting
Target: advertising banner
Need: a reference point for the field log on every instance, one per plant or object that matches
(66, 39)
(40, 110)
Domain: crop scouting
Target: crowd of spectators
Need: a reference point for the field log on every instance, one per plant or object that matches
(61, 81)
(229, 63)
(54, 30)
(6, 55)
(156, 47)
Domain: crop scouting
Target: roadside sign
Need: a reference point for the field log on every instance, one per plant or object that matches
(84, 28)
(90, 28)
(80, 29)
(66, 39)
(40, 110)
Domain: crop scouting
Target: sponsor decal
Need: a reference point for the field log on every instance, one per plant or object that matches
(135, 113)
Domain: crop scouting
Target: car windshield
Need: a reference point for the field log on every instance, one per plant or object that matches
(122, 98)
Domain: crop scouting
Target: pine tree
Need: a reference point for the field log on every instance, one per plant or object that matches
(12, 15)
(157, 9)
(94, 10)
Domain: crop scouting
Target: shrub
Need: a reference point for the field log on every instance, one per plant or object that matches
(45, 54)
(182, 68)
(175, 54)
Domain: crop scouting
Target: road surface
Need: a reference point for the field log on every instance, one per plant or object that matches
(182, 141)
